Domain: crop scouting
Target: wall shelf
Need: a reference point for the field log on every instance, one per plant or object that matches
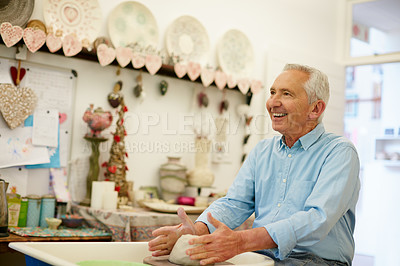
(165, 70)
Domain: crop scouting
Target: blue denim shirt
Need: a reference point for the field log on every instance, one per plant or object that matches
(305, 196)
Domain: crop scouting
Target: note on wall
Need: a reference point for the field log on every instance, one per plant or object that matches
(17, 177)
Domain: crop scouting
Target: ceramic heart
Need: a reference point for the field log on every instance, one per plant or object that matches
(194, 70)
(105, 54)
(220, 79)
(10, 34)
(255, 86)
(34, 39)
(153, 63)
(138, 60)
(71, 45)
(53, 43)
(244, 85)
(123, 55)
(180, 70)
(14, 74)
(16, 104)
(62, 117)
(231, 82)
(207, 76)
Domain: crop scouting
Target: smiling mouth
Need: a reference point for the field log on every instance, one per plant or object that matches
(278, 115)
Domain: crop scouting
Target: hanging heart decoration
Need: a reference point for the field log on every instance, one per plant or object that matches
(138, 61)
(153, 63)
(34, 39)
(231, 82)
(53, 43)
(14, 74)
(105, 54)
(16, 104)
(255, 86)
(10, 34)
(194, 70)
(180, 70)
(207, 76)
(62, 117)
(244, 85)
(71, 45)
(220, 79)
(123, 55)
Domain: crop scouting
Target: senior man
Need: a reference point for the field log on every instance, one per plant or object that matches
(302, 186)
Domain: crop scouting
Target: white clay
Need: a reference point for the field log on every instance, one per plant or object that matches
(178, 253)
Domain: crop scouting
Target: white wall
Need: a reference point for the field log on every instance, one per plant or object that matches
(308, 27)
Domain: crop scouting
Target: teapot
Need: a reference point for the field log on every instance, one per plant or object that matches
(3, 209)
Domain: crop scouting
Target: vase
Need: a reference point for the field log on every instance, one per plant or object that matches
(201, 175)
(94, 167)
(172, 179)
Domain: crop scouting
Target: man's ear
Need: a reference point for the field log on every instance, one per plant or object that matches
(318, 107)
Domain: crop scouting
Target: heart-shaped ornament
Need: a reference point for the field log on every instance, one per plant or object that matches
(16, 104)
(153, 63)
(244, 85)
(62, 117)
(34, 39)
(231, 82)
(138, 60)
(105, 54)
(10, 34)
(256, 86)
(180, 70)
(53, 43)
(220, 79)
(124, 56)
(207, 76)
(14, 74)
(194, 70)
(71, 45)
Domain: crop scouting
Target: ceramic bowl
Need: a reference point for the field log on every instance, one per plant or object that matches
(53, 223)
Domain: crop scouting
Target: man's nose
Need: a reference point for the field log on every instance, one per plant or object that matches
(274, 101)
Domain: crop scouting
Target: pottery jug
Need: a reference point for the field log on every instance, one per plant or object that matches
(3, 209)
(201, 175)
(172, 179)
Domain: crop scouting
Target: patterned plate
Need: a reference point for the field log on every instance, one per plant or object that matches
(172, 208)
(187, 38)
(131, 22)
(81, 17)
(235, 54)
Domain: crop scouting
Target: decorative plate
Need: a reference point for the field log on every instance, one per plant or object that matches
(172, 208)
(187, 38)
(131, 22)
(235, 54)
(81, 17)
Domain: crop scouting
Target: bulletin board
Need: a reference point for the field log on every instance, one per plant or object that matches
(22, 159)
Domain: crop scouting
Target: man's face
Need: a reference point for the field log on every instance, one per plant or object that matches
(288, 104)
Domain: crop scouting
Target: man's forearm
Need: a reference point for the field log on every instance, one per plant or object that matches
(255, 239)
(201, 228)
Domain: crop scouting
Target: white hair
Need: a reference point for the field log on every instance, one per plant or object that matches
(317, 85)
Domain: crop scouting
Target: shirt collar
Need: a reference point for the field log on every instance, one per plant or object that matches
(308, 139)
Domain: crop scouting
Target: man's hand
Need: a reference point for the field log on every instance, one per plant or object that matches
(219, 246)
(167, 236)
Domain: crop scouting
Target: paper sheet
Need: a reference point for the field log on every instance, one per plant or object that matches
(45, 128)
(79, 170)
(58, 181)
(17, 148)
(17, 177)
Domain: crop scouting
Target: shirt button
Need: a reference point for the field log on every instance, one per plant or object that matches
(284, 180)
(279, 204)
(290, 156)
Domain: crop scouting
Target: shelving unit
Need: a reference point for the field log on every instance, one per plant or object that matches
(387, 150)
(165, 70)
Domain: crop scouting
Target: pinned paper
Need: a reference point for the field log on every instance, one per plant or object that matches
(17, 177)
(45, 128)
(58, 181)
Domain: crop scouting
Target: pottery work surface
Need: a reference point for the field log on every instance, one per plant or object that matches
(59, 253)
